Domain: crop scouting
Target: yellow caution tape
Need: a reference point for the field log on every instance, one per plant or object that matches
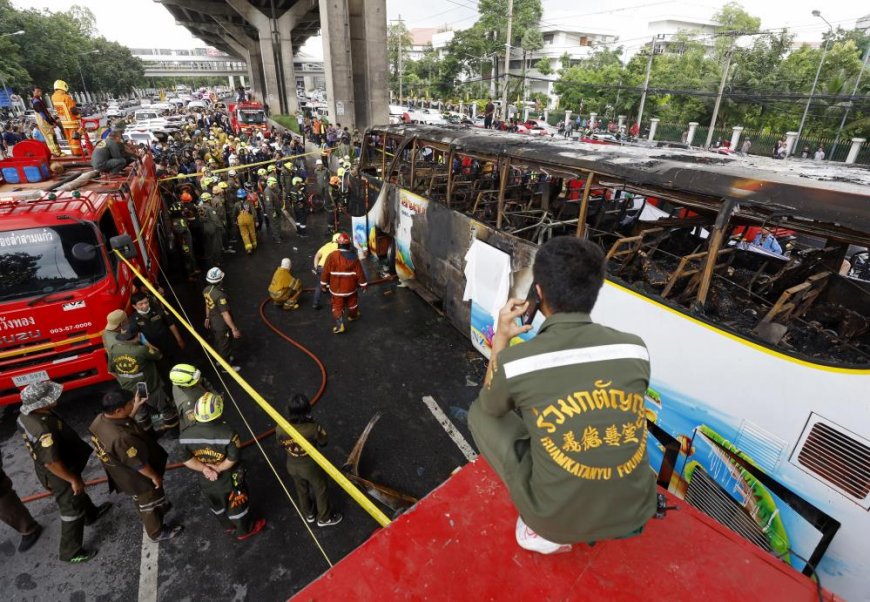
(325, 464)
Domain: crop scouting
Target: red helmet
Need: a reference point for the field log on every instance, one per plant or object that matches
(185, 197)
(342, 239)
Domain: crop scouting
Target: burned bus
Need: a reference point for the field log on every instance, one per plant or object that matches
(745, 277)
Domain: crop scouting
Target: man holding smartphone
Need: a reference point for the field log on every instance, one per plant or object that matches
(574, 456)
(133, 460)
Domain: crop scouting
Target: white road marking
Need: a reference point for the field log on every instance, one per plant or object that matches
(148, 569)
(448, 426)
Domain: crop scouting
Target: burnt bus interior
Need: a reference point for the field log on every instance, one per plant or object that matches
(683, 244)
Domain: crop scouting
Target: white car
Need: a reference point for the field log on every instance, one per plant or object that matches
(428, 117)
(114, 110)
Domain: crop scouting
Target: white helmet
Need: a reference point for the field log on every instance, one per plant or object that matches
(214, 276)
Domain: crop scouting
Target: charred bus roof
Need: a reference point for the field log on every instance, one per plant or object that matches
(830, 193)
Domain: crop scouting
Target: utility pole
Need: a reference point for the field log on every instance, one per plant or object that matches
(399, 40)
(652, 51)
(507, 60)
(727, 68)
(815, 81)
(849, 106)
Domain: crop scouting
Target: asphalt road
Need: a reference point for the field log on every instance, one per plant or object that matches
(400, 351)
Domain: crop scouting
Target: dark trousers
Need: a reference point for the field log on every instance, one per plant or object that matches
(229, 501)
(310, 480)
(152, 506)
(75, 512)
(12, 510)
(223, 342)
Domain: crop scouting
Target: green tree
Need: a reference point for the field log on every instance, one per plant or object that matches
(398, 41)
(544, 66)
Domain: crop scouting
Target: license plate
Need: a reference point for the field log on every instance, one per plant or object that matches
(29, 379)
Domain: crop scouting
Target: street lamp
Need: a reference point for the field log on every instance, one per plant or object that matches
(79, 63)
(818, 14)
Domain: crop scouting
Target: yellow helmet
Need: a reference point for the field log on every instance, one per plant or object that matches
(271, 167)
(184, 375)
(289, 165)
(261, 172)
(61, 85)
(209, 407)
(223, 185)
(205, 196)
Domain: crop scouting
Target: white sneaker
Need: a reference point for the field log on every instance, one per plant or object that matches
(529, 540)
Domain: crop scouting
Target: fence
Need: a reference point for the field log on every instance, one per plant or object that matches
(763, 143)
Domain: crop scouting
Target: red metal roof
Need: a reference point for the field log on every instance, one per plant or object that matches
(458, 544)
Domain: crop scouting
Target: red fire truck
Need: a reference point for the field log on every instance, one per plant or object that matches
(246, 117)
(59, 277)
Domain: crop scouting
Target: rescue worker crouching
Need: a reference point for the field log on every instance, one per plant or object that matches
(111, 155)
(285, 288)
(218, 317)
(308, 478)
(343, 275)
(211, 447)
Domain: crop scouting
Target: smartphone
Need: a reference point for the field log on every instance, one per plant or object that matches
(532, 309)
(142, 390)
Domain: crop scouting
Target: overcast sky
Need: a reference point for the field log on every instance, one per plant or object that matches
(144, 23)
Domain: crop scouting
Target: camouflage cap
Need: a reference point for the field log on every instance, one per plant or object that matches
(40, 395)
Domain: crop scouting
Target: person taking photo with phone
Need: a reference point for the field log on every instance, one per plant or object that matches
(561, 417)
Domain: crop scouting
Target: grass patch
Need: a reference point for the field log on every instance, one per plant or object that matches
(287, 121)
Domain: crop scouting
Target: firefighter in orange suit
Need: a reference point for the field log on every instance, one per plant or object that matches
(70, 119)
(343, 276)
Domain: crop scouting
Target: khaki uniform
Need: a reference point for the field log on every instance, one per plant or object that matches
(575, 459)
(211, 443)
(185, 399)
(308, 477)
(216, 302)
(49, 440)
(124, 448)
(132, 363)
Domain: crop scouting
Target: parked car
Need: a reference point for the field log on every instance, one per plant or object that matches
(427, 116)
(114, 110)
(539, 127)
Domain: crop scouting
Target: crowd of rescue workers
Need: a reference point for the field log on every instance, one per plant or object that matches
(224, 193)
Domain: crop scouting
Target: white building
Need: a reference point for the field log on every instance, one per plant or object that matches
(664, 29)
(574, 42)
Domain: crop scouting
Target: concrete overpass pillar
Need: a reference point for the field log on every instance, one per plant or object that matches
(335, 29)
(368, 31)
(273, 36)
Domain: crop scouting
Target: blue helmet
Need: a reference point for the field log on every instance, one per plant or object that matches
(241, 193)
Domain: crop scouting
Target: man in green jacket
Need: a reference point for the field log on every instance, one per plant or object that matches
(133, 360)
(574, 458)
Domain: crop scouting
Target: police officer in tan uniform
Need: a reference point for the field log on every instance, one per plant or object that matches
(574, 459)
(308, 477)
(133, 461)
(133, 360)
(218, 317)
(59, 457)
(211, 448)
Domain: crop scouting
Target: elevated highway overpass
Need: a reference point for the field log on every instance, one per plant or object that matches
(266, 34)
